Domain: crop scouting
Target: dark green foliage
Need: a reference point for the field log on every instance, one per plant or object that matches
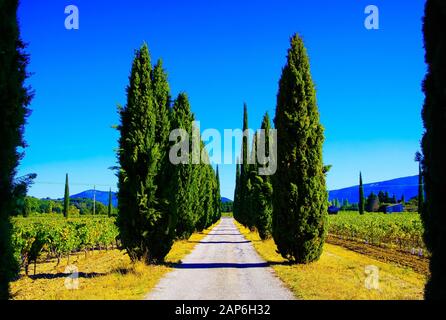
(244, 187)
(110, 205)
(361, 204)
(66, 201)
(262, 187)
(227, 206)
(217, 199)
(184, 184)
(372, 204)
(434, 151)
(14, 99)
(147, 227)
(161, 93)
(236, 205)
(300, 195)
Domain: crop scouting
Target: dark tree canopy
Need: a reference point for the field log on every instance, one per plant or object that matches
(14, 100)
(433, 145)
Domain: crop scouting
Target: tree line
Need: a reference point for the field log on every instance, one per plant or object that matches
(159, 201)
(291, 205)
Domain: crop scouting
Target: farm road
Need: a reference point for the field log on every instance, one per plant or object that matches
(223, 266)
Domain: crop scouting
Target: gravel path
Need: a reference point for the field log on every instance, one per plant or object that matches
(223, 266)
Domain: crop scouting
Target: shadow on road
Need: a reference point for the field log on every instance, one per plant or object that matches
(219, 242)
(221, 265)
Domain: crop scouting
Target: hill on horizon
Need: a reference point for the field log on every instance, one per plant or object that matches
(101, 196)
(407, 186)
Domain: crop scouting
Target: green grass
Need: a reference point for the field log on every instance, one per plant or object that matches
(339, 274)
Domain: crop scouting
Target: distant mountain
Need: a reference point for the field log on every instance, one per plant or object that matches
(225, 200)
(407, 186)
(101, 196)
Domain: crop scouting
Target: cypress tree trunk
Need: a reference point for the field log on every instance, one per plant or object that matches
(361, 204)
(14, 99)
(434, 169)
(300, 195)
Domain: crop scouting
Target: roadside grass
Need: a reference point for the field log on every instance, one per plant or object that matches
(339, 274)
(103, 275)
(227, 214)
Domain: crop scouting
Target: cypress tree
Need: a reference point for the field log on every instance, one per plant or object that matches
(235, 207)
(217, 197)
(110, 205)
(66, 199)
(300, 195)
(244, 172)
(146, 226)
(262, 186)
(14, 100)
(434, 170)
(361, 205)
(184, 188)
(161, 94)
(250, 197)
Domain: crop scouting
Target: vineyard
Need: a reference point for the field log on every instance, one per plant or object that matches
(402, 231)
(56, 236)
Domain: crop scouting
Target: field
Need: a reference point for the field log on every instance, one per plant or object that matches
(402, 231)
(340, 274)
(390, 242)
(55, 236)
(103, 275)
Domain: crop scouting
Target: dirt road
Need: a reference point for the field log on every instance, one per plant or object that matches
(223, 266)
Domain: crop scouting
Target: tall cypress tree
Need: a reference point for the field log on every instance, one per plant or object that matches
(217, 197)
(110, 205)
(184, 185)
(300, 195)
(361, 204)
(14, 100)
(66, 199)
(434, 169)
(235, 207)
(243, 205)
(262, 186)
(147, 227)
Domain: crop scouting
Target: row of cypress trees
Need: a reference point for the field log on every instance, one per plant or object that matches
(253, 192)
(290, 205)
(159, 201)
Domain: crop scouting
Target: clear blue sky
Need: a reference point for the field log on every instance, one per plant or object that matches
(223, 53)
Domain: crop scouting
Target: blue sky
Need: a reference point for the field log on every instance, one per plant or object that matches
(223, 53)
